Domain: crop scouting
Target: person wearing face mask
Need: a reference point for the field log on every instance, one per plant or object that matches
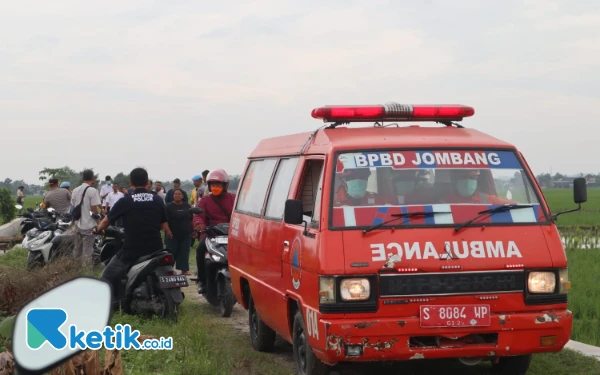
(353, 191)
(466, 189)
(217, 207)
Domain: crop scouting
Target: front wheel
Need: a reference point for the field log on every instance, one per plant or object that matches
(517, 365)
(35, 259)
(226, 298)
(306, 361)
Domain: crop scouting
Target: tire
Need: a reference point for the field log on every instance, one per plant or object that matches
(306, 361)
(35, 259)
(226, 298)
(262, 336)
(517, 365)
(170, 308)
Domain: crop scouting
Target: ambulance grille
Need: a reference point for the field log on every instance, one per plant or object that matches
(451, 283)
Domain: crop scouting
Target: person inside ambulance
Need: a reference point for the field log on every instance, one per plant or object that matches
(412, 186)
(353, 189)
(466, 189)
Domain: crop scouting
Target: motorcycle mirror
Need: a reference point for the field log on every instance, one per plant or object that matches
(41, 337)
(50, 209)
(18, 207)
(196, 210)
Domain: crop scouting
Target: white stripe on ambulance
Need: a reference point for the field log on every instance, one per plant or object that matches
(459, 249)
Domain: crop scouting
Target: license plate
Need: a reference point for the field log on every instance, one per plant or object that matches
(455, 316)
(222, 240)
(176, 281)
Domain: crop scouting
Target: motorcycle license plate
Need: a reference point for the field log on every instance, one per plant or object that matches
(177, 281)
(455, 316)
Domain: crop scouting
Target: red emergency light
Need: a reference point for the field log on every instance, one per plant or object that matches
(392, 112)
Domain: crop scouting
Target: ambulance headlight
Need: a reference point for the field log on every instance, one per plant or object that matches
(355, 289)
(541, 282)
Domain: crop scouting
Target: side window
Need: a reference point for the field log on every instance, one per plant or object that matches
(310, 193)
(280, 188)
(254, 188)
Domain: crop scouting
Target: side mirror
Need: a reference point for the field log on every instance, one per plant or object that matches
(196, 210)
(42, 337)
(18, 207)
(579, 196)
(579, 190)
(293, 212)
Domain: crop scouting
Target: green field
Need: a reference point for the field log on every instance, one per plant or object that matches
(562, 199)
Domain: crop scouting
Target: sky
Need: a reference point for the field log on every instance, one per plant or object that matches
(182, 86)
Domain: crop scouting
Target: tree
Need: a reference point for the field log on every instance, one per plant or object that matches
(7, 205)
(121, 179)
(544, 179)
(66, 174)
(234, 182)
(558, 176)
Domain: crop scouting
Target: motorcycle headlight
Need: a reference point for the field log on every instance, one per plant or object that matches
(541, 282)
(39, 240)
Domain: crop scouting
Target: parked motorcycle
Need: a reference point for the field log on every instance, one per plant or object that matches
(41, 240)
(29, 216)
(218, 281)
(151, 286)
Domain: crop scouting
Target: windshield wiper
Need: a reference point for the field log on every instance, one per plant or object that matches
(491, 211)
(399, 216)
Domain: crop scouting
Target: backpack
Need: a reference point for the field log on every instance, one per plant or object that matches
(77, 209)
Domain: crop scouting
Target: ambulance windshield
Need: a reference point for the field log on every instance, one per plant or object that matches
(370, 187)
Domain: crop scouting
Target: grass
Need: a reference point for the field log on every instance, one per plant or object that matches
(562, 199)
(584, 297)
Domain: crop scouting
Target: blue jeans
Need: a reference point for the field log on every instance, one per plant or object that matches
(180, 248)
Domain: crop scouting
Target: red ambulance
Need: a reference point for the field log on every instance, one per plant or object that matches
(391, 242)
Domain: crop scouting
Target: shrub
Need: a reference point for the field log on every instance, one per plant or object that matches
(7, 205)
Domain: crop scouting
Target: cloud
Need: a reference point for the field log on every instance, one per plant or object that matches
(156, 82)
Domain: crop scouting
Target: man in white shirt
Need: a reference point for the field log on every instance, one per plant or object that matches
(106, 189)
(89, 202)
(112, 198)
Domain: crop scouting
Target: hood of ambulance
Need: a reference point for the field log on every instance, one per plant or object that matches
(472, 248)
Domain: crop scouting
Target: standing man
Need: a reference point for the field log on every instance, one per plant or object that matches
(205, 184)
(176, 185)
(106, 189)
(20, 197)
(89, 198)
(59, 199)
(198, 191)
(112, 198)
(160, 190)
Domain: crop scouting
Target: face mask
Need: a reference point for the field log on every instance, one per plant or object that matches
(356, 188)
(466, 188)
(109, 183)
(216, 190)
(404, 187)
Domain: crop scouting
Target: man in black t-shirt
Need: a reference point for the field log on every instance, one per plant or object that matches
(143, 217)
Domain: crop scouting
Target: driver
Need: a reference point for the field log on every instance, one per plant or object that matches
(466, 189)
(353, 191)
(408, 184)
(217, 207)
(143, 216)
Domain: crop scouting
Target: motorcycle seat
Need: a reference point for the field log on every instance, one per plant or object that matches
(149, 256)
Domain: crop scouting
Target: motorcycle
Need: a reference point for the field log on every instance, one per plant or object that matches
(151, 286)
(29, 217)
(43, 240)
(218, 281)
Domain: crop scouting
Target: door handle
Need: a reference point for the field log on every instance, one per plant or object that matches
(286, 247)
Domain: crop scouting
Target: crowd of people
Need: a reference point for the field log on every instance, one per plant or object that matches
(144, 210)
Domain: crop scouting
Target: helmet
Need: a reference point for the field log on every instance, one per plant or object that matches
(218, 175)
(65, 184)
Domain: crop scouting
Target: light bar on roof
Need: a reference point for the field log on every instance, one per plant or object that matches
(392, 112)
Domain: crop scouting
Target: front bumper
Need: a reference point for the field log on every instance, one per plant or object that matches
(394, 339)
